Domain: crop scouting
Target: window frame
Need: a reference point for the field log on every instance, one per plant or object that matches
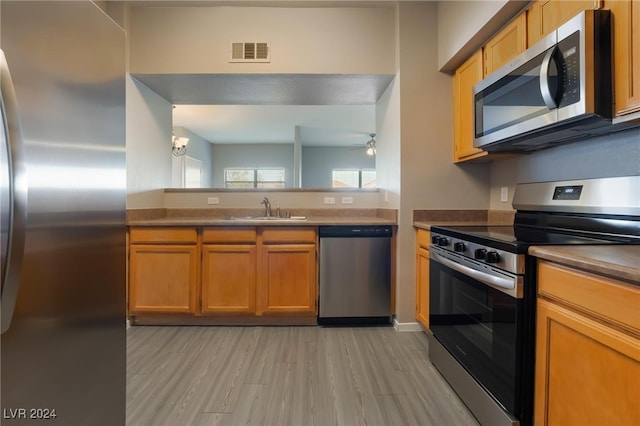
(255, 182)
(360, 171)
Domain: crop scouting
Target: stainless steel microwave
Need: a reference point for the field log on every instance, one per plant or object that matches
(557, 91)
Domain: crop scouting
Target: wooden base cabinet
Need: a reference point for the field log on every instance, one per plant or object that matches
(229, 271)
(587, 350)
(422, 277)
(229, 275)
(163, 271)
(223, 275)
(287, 279)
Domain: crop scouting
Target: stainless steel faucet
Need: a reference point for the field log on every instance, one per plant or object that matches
(267, 206)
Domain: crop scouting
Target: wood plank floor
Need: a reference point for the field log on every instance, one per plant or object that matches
(192, 376)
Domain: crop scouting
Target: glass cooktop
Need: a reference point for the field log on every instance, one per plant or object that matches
(518, 239)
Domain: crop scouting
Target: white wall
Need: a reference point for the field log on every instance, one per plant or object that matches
(415, 148)
(148, 145)
(388, 140)
(303, 40)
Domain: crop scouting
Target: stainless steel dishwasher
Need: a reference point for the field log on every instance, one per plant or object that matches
(355, 275)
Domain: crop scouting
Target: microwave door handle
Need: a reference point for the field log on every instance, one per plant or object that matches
(17, 197)
(545, 89)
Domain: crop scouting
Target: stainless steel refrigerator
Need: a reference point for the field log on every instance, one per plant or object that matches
(63, 344)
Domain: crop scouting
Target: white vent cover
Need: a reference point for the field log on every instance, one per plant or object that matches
(250, 52)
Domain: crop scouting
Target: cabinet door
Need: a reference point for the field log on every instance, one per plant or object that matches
(422, 286)
(505, 45)
(545, 16)
(229, 278)
(287, 279)
(466, 76)
(586, 372)
(626, 55)
(162, 278)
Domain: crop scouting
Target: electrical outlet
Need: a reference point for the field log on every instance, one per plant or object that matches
(213, 200)
(504, 194)
(329, 200)
(347, 200)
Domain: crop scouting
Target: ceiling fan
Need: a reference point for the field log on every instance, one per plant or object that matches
(370, 146)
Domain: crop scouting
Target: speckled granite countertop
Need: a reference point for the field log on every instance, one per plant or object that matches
(245, 217)
(617, 261)
(425, 219)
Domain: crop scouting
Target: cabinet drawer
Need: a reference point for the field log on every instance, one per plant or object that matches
(163, 235)
(607, 298)
(423, 238)
(229, 235)
(288, 235)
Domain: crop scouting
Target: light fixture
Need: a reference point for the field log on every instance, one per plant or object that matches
(178, 145)
(371, 145)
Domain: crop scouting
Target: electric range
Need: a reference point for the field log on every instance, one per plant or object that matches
(483, 287)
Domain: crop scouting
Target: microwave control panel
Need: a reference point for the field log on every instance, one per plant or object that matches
(570, 69)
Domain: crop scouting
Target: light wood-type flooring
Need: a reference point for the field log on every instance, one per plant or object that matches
(297, 376)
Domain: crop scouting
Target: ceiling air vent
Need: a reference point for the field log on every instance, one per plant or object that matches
(250, 52)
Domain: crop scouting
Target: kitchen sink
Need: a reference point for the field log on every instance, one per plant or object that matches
(266, 218)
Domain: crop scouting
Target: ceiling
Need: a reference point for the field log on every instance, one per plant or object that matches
(330, 109)
(320, 125)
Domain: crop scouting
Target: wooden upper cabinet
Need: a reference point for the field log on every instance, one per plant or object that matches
(506, 45)
(626, 55)
(545, 16)
(465, 77)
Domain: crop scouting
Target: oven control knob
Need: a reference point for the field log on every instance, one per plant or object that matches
(459, 247)
(492, 257)
(434, 240)
(479, 253)
(442, 241)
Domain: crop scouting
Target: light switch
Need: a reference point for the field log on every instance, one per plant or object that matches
(347, 200)
(329, 200)
(213, 200)
(504, 194)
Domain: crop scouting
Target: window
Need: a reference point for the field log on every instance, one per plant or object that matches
(353, 178)
(253, 178)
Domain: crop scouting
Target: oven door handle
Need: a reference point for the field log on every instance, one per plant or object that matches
(499, 283)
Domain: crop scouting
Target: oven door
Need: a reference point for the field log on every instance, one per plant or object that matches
(479, 324)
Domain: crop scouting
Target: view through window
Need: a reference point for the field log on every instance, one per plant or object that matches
(254, 178)
(353, 178)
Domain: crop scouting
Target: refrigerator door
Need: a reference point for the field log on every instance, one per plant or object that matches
(13, 195)
(64, 355)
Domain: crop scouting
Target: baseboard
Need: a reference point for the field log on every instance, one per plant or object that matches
(406, 326)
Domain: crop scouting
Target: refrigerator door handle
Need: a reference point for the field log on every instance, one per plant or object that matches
(17, 208)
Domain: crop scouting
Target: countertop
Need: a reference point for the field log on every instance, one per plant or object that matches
(246, 217)
(617, 261)
(221, 221)
(425, 219)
